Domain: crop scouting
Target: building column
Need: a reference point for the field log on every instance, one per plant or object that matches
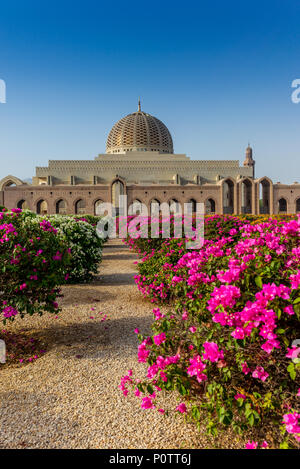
(221, 199)
(253, 207)
(271, 199)
(235, 199)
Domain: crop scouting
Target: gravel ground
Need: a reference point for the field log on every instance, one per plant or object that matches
(69, 398)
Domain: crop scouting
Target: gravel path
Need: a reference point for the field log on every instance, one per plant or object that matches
(69, 398)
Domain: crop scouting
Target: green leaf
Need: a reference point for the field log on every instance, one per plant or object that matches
(284, 445)
(292, 371)
(258, 281)
(150, 389)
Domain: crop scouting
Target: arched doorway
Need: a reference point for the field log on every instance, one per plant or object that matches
(22, 204)
(117, 190)
(80, 207)
(136, 208)
(228, 196)
(175, 206)
(298, 205)
(154, 207)
(97, 207)
(264, 196)
(210, 206)
(246, 196)
(42, 207)
(61, 207)
(282, 205)
(192, 207)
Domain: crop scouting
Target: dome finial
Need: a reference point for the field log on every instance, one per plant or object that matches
(139, 106)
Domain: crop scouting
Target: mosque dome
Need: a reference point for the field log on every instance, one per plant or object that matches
(139, 131)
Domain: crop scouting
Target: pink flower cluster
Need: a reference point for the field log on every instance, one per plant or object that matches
(292, 424)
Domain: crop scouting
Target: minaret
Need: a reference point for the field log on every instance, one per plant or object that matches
(249, 161)
(139, 105)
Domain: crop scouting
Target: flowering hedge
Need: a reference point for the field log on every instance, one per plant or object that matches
(33, 264)
(214, 227)
(229, 345)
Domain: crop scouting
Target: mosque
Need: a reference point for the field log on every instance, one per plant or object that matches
(140, 162)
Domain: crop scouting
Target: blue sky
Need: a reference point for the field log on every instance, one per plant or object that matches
(218, 74)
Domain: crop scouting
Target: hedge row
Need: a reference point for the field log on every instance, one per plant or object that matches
(230, 341)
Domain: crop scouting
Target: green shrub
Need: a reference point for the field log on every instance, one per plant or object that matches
(84, 244)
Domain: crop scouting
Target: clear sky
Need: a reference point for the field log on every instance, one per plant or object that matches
(217, 73)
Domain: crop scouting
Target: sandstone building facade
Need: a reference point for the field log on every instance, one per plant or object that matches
(139, 162)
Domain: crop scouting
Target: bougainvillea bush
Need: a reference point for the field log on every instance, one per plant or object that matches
(156, 269)
(85, 246)
(230, 343)
(34, 260)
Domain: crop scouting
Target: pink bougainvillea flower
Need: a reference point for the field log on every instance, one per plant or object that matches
(182, 408)
(212, 352)
(240, 396)
(159, 338)
(143, 353)
(238, 333)
(147, 403)
(260, 373)
(251, 445)
(245, 369)
(293, 352)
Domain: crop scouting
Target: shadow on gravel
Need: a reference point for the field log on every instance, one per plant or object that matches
(115, 279)
(120, 246)
(84, 294)
(23, 427)
(119, 257)
(90, 339)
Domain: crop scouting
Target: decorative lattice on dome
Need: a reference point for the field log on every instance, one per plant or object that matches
(139, 131)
